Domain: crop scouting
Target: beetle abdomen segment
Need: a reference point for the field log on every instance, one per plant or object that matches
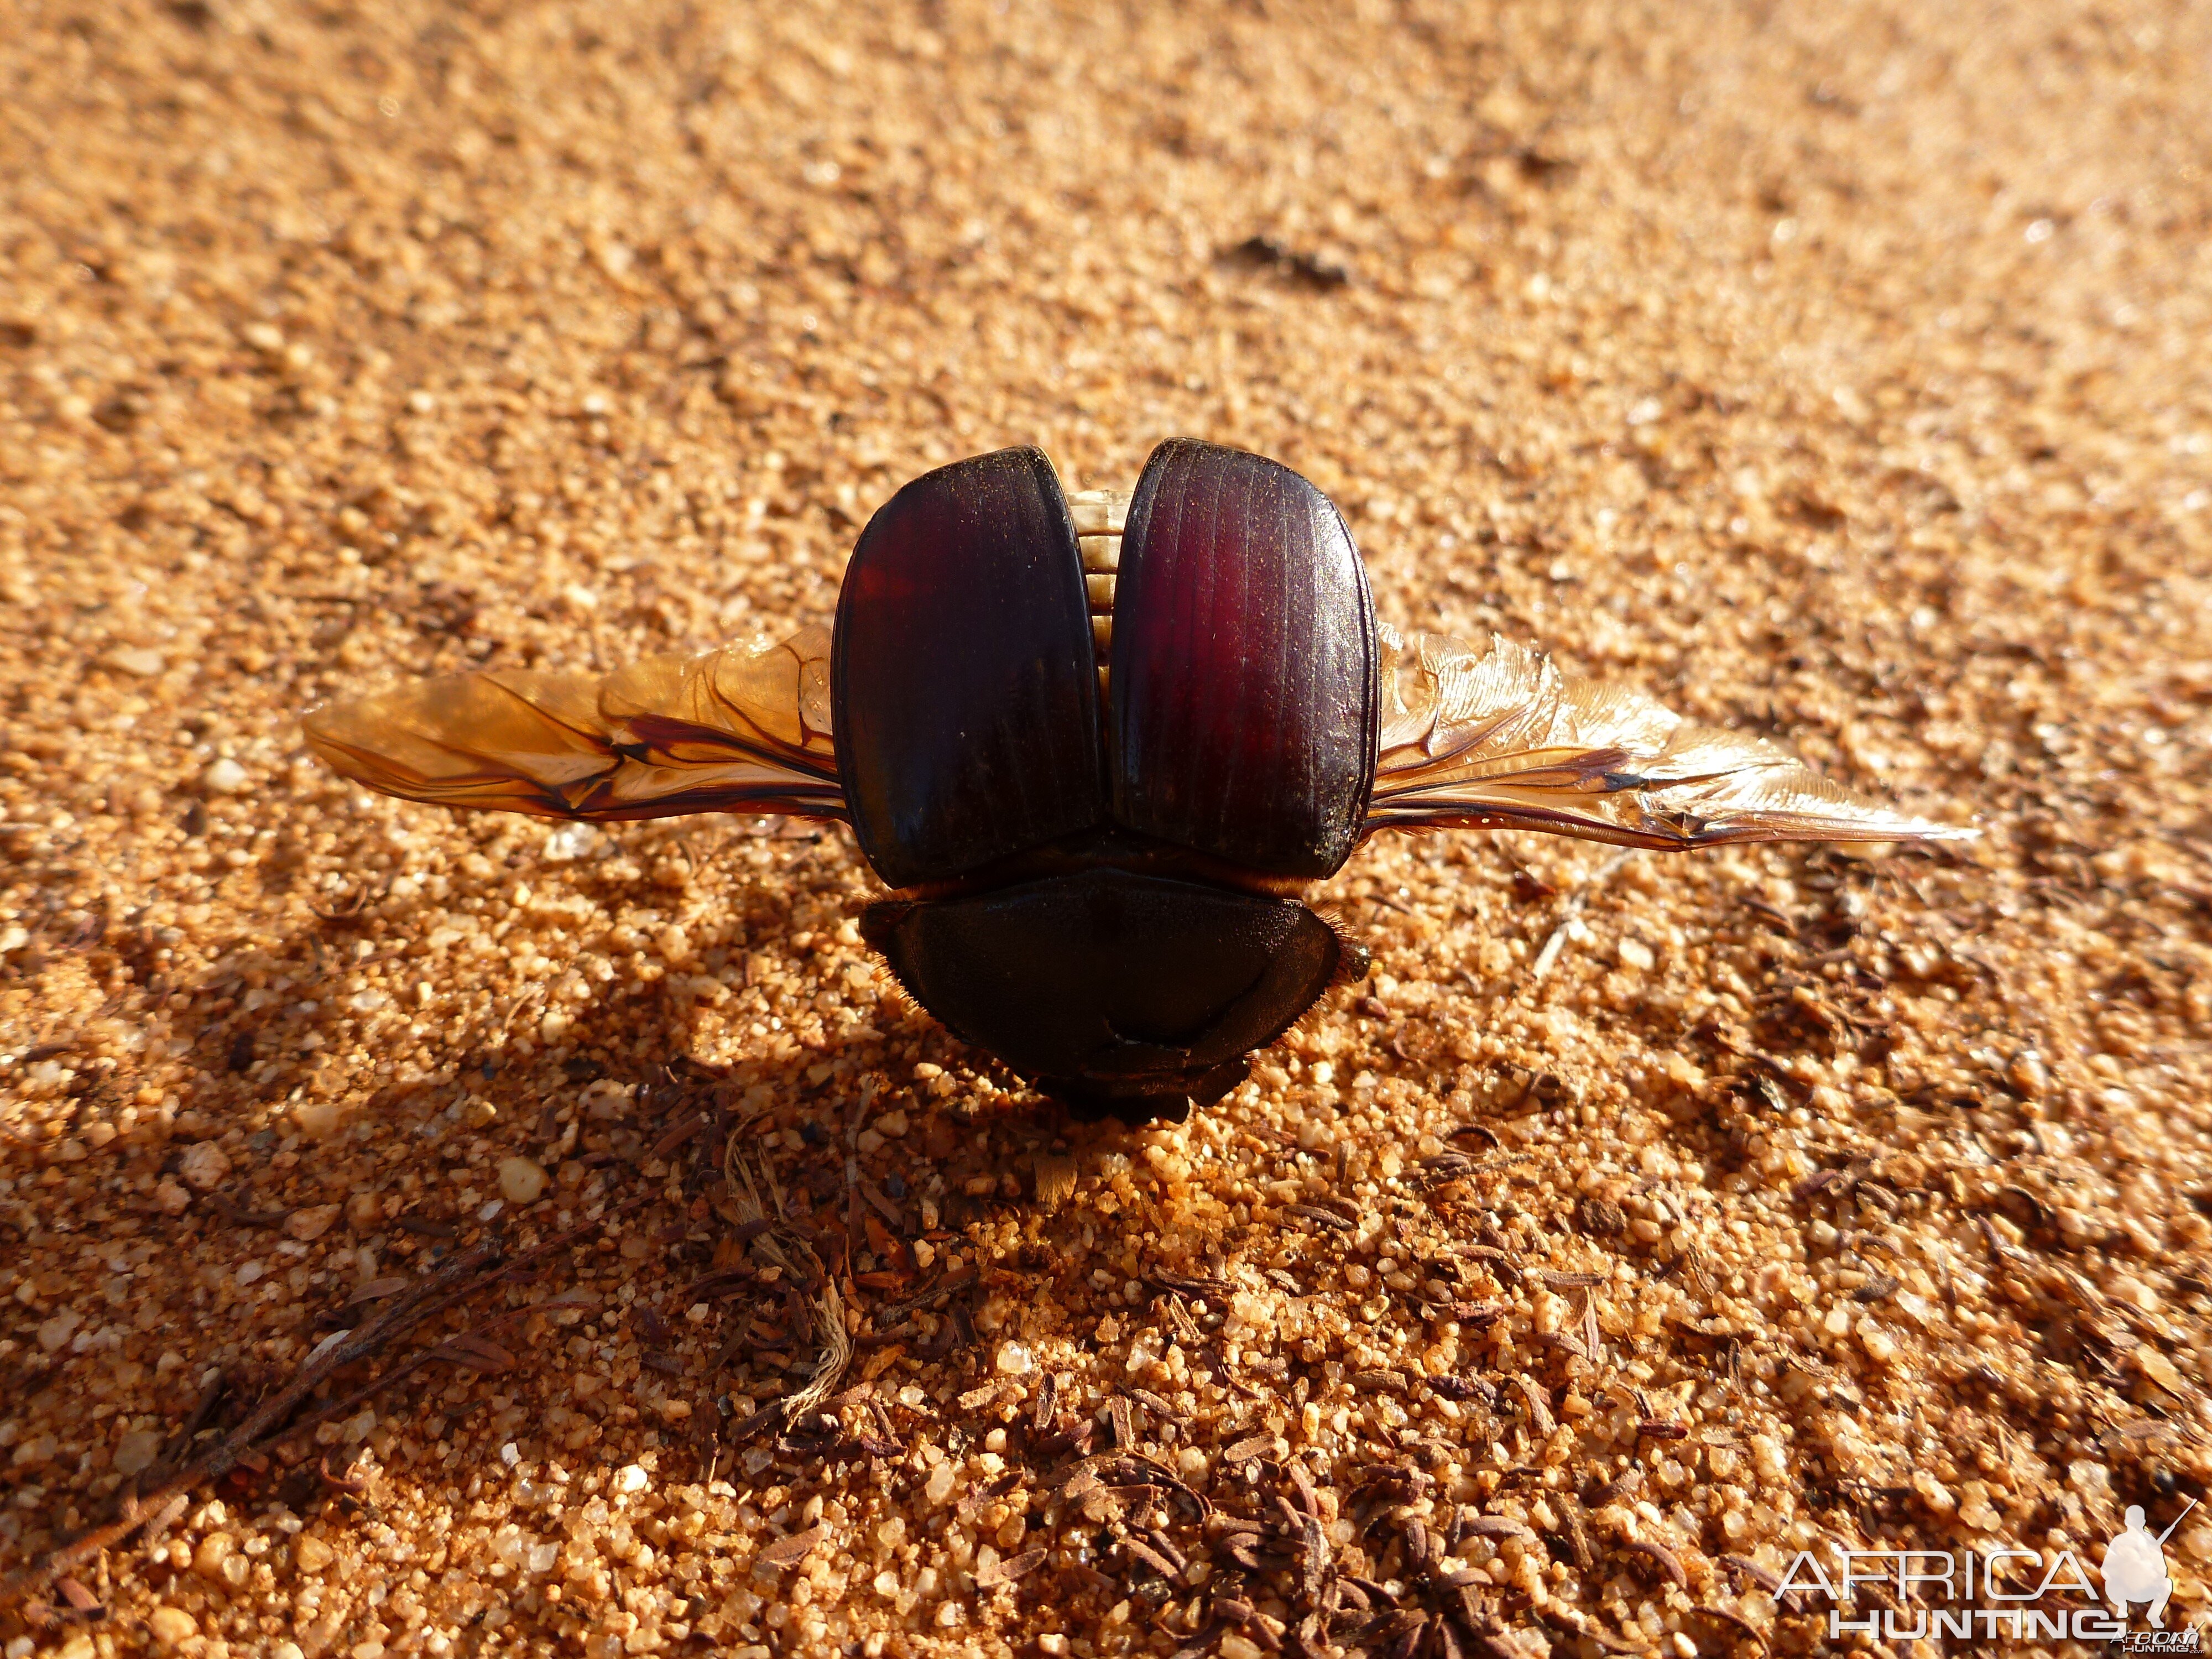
(1242, 696)
(1101, 515)
(963, 680)
(1110, 988)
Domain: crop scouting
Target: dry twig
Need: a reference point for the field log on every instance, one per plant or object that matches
(406, 1311)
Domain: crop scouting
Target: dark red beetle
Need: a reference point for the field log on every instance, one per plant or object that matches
(1100, 749)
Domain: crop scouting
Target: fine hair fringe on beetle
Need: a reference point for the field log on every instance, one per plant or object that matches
(1100, 749)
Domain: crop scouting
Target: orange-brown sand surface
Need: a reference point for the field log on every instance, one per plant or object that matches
(1837, 372)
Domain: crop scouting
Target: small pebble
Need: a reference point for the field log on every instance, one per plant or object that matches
(570, 842)
(145, 664)
(310, 1224)
(225, 777)
(171, 1627)
(520, 1179)
(137, 1451)
(204, 1166)
(1880, 1346)
(214, 1550)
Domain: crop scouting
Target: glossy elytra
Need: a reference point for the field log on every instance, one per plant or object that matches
(1099, 749)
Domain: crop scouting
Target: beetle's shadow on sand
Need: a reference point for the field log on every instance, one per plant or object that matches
(628, 1125)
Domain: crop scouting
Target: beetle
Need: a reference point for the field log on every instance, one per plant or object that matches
(1099, 749)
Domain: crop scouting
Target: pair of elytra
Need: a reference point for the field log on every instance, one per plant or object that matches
(1101, 748)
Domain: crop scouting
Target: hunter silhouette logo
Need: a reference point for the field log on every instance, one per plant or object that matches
(2135, 1567)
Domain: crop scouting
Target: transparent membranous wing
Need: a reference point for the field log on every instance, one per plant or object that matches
(743, 729)
(1496, 737)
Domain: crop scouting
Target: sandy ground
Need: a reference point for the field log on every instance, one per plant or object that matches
(1840, 375)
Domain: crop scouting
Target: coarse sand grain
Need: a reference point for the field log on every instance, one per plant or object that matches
(1836, 372)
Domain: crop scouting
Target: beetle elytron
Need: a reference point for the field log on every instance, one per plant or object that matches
(1099, 748)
